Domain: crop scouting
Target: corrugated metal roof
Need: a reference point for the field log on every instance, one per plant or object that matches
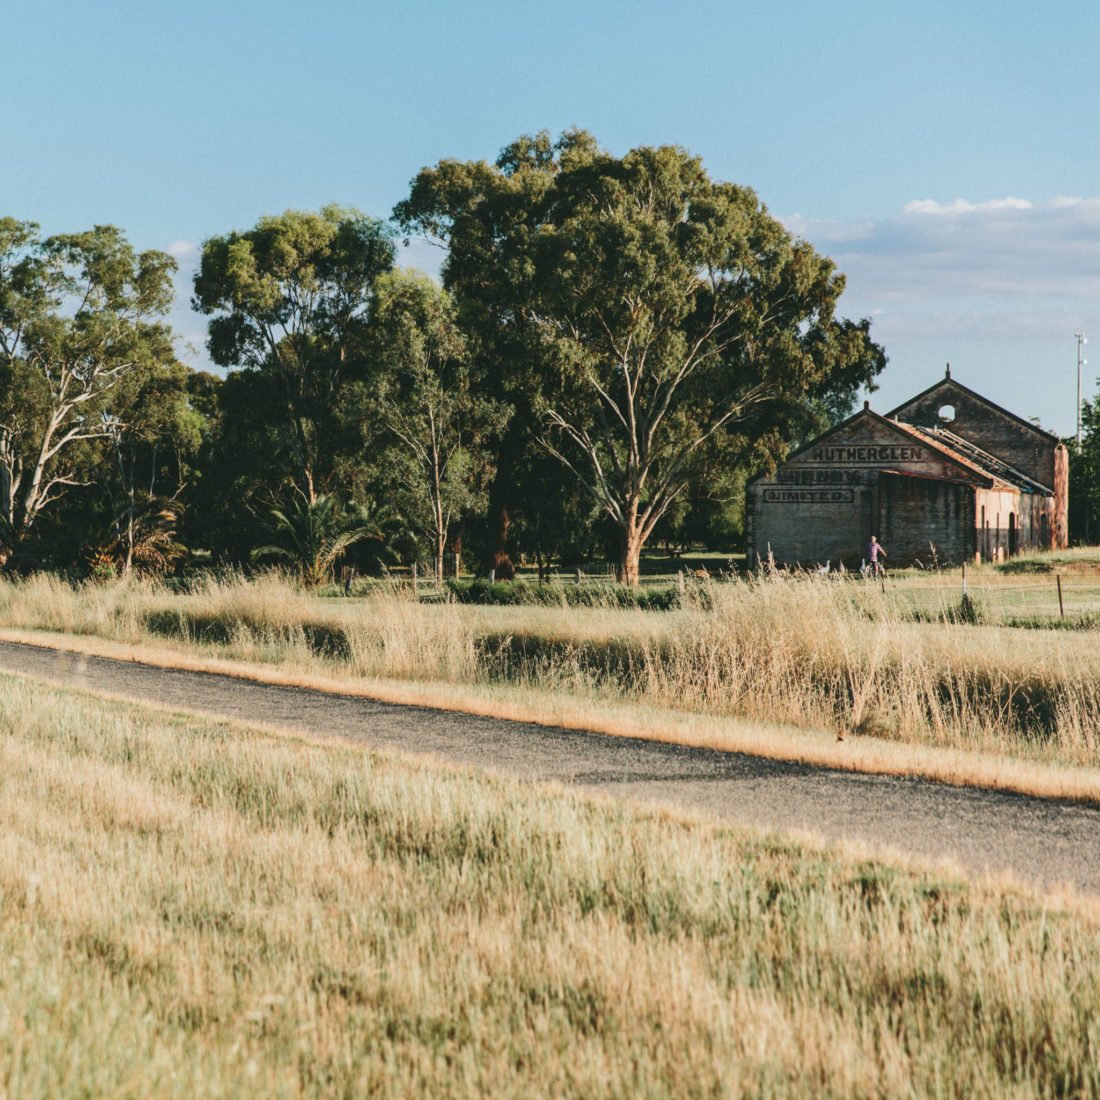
(996, 466)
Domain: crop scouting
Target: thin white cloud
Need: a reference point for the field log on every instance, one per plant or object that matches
(825, 230)
(181, 249)
(962, 206)
(997, 286)
(1002, 257)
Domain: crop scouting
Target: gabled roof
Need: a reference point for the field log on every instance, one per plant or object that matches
(950, 383)
(946, 450)
(972, 472)
(987, 461)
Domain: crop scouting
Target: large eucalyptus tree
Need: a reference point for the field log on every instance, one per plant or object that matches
(439, 427)
(79, 314)
(650, 311)
(289, 303)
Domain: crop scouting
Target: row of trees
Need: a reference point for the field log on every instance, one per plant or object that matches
(1084, 477)
(617, 343)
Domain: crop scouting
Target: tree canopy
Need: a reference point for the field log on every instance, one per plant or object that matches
(619, 342)
(79, 314)
(289, 301)
(647, 311)
(438, 459)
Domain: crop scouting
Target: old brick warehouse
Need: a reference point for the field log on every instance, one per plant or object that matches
(948, 476)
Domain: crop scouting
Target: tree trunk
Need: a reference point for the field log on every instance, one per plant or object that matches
(502, 565)
(632, 552)
(455, 549)
(440, 550)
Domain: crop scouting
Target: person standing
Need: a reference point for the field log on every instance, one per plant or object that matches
(875, 554)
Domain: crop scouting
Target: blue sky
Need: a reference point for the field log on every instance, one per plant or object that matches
(947, 155)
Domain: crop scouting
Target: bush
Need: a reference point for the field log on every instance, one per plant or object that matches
(967, 612)
(564, 595)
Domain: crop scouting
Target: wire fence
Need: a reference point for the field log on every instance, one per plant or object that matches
(1006, 597)
(1013, 599)
(424, 571)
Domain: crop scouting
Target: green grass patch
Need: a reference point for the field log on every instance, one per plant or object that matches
(1085, 621)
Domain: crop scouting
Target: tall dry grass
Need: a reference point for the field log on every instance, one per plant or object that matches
(189, 909)
(266, 618)
(810, 652)
(845, 656)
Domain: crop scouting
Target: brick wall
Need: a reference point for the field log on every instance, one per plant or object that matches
(869, 476)
(1028, 449)
(922, 520)
(810, 524)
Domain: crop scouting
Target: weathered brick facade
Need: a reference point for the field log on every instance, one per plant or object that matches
(946, 477)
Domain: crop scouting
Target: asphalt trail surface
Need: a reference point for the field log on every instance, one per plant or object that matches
(1043, 840)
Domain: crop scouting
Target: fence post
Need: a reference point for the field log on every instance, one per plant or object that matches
(1061, 605)
(964, 580)
(416, 587)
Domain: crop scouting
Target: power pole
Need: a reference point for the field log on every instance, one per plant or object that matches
(1081, 361)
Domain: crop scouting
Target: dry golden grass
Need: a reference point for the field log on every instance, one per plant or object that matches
(779, 667)
(194, 909)
(774, 741)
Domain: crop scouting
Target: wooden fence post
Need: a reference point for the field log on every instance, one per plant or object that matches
(1061, 605)
(416, 587)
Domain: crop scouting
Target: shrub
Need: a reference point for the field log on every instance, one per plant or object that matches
(619, 596)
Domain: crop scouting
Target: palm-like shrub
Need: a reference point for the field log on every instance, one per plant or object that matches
(314, 535)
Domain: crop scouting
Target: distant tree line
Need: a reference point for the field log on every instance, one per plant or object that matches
(1084, 477)
(617, 344)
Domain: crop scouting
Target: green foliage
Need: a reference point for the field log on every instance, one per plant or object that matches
(438, 463)
(619, 341)
(292, 288)
(1084, 477)
(143, 539)
(78, 323)
(1083, 620)
(967, 612)
(313, 535)
(646, 309)
(710, 513)
(290, 302)
(616, 596)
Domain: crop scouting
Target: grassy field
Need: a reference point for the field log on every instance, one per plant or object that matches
(808, 658)
(194, 909)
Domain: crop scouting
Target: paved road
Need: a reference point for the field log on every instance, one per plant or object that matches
(1043, 840)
